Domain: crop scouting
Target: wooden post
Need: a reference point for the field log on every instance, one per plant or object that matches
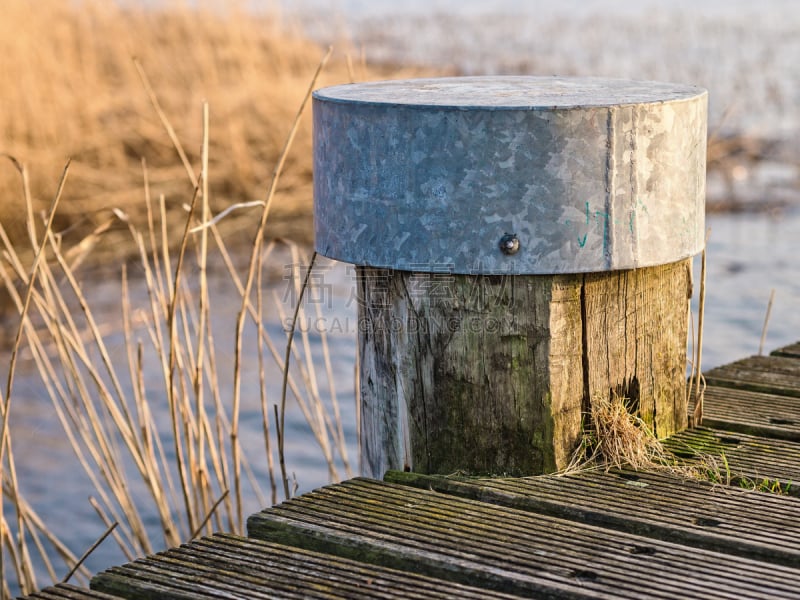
(523, 246)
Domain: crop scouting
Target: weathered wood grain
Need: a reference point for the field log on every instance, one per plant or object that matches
(493, 374)
(659, 505)
(635, 341)
(769, 374)
(457, 376)
(754, 413)
(228, 566)
(64, 591)
(506, 549)
(790, 351)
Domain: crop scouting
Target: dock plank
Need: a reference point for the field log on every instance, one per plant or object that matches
(506, 549)
(790, 351)
(659, 505)
(64, 591)
(752, 457)
(228, 566)
(585, 535)
(754, 413)
(770, 374)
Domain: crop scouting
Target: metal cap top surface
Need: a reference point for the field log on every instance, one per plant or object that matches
(509, 92)
(524, 175)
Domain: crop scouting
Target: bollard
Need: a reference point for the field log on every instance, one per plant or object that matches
(523, 245)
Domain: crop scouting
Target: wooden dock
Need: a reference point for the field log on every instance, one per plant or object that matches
(589, 535)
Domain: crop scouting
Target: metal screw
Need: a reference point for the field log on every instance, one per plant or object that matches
(509, 244)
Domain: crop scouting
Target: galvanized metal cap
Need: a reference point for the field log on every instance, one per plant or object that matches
(523, 175)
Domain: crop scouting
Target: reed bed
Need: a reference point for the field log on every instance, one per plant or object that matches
(72, 88)
(190, 144)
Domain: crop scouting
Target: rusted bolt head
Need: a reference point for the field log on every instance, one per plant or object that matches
(509, 244)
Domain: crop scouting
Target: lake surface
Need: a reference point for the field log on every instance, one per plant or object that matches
(744, 53)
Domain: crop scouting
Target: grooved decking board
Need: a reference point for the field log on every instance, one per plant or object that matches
(770, 374)
(64, 591)
(755, 413)
(507, 549)
(755, 458)
(667, 507)
(228, 566)
(790, 351)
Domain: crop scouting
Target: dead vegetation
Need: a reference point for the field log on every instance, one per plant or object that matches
(72, 75)
(170, 116)
(158, 420)
(615, 438)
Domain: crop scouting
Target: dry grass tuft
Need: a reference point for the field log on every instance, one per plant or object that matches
(618, 439)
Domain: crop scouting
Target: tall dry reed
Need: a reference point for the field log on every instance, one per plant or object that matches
(192, 471)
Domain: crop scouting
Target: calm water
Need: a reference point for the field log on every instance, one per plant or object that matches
(745, 54)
